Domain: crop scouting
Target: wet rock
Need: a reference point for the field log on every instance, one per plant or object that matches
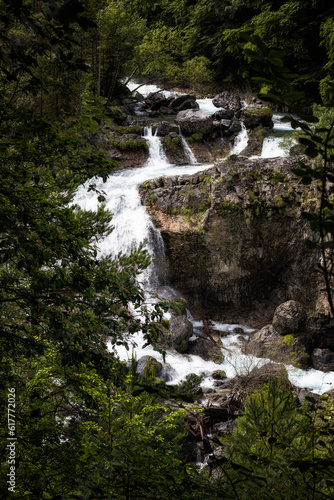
(223, 114)
(219, 375)
(268, 343)
(225, 125)
(206, 349)
(167, 372)
(246, 384)
(227, 101)
(323, 359)
(148, 366)
(235, 126)
(155, 100)
(192, 121)
(164, 128)
(257, 117)
(301, 394)
(289, 318)
(183, 102)
(222, 428)
(178, 335)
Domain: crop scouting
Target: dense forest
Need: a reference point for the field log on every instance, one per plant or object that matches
(76, 423)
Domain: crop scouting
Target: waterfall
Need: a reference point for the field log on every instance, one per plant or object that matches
(272, 148)
(156, 154)
(189, 154)
(132, 225)
(241, 141)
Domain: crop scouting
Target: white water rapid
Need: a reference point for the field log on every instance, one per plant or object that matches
(189, 154)
(240, 142)
(132, 225)
(279, 142)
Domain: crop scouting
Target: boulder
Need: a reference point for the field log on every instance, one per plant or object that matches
(207, 350)
(267, 343)
(261, 376)
(183, 102)
(223, 114)
(155, 100)
(323, 359)
(164, 128)
(219, 375)
(227, 101)
(289, 318)
(148, 366)
(167, 372)
(257, 117)
(178, 335)
(192, 121)
(235, 126)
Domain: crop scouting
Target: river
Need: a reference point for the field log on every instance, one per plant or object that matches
(132, 225)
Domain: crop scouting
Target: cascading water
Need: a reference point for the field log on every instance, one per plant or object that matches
(241, 141)
(275, 145)
(133, 225)
(189, 154)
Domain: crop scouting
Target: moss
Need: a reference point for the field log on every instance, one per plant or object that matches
(173, 211)
(279, 201)
(196, 137)
(135, 129)
(259, 111)
(227, 207)
(172, 143)
(131, 144)
(288, 339)
(278, 176)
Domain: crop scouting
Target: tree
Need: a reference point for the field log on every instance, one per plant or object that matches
(280, 449)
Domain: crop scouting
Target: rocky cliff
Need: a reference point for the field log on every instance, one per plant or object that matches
(234, 237)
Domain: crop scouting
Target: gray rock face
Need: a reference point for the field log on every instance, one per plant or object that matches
(289, 317)
(234, 238)
(192, 121)
(323, 359)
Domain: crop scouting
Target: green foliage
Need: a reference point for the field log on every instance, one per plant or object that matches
(172, 143)
(288, 339)
(92, 441)
(279, 450)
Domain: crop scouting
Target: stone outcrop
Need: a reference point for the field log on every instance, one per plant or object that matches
(323, 359)
(207, 349)
(194, 121)
(234, 237)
